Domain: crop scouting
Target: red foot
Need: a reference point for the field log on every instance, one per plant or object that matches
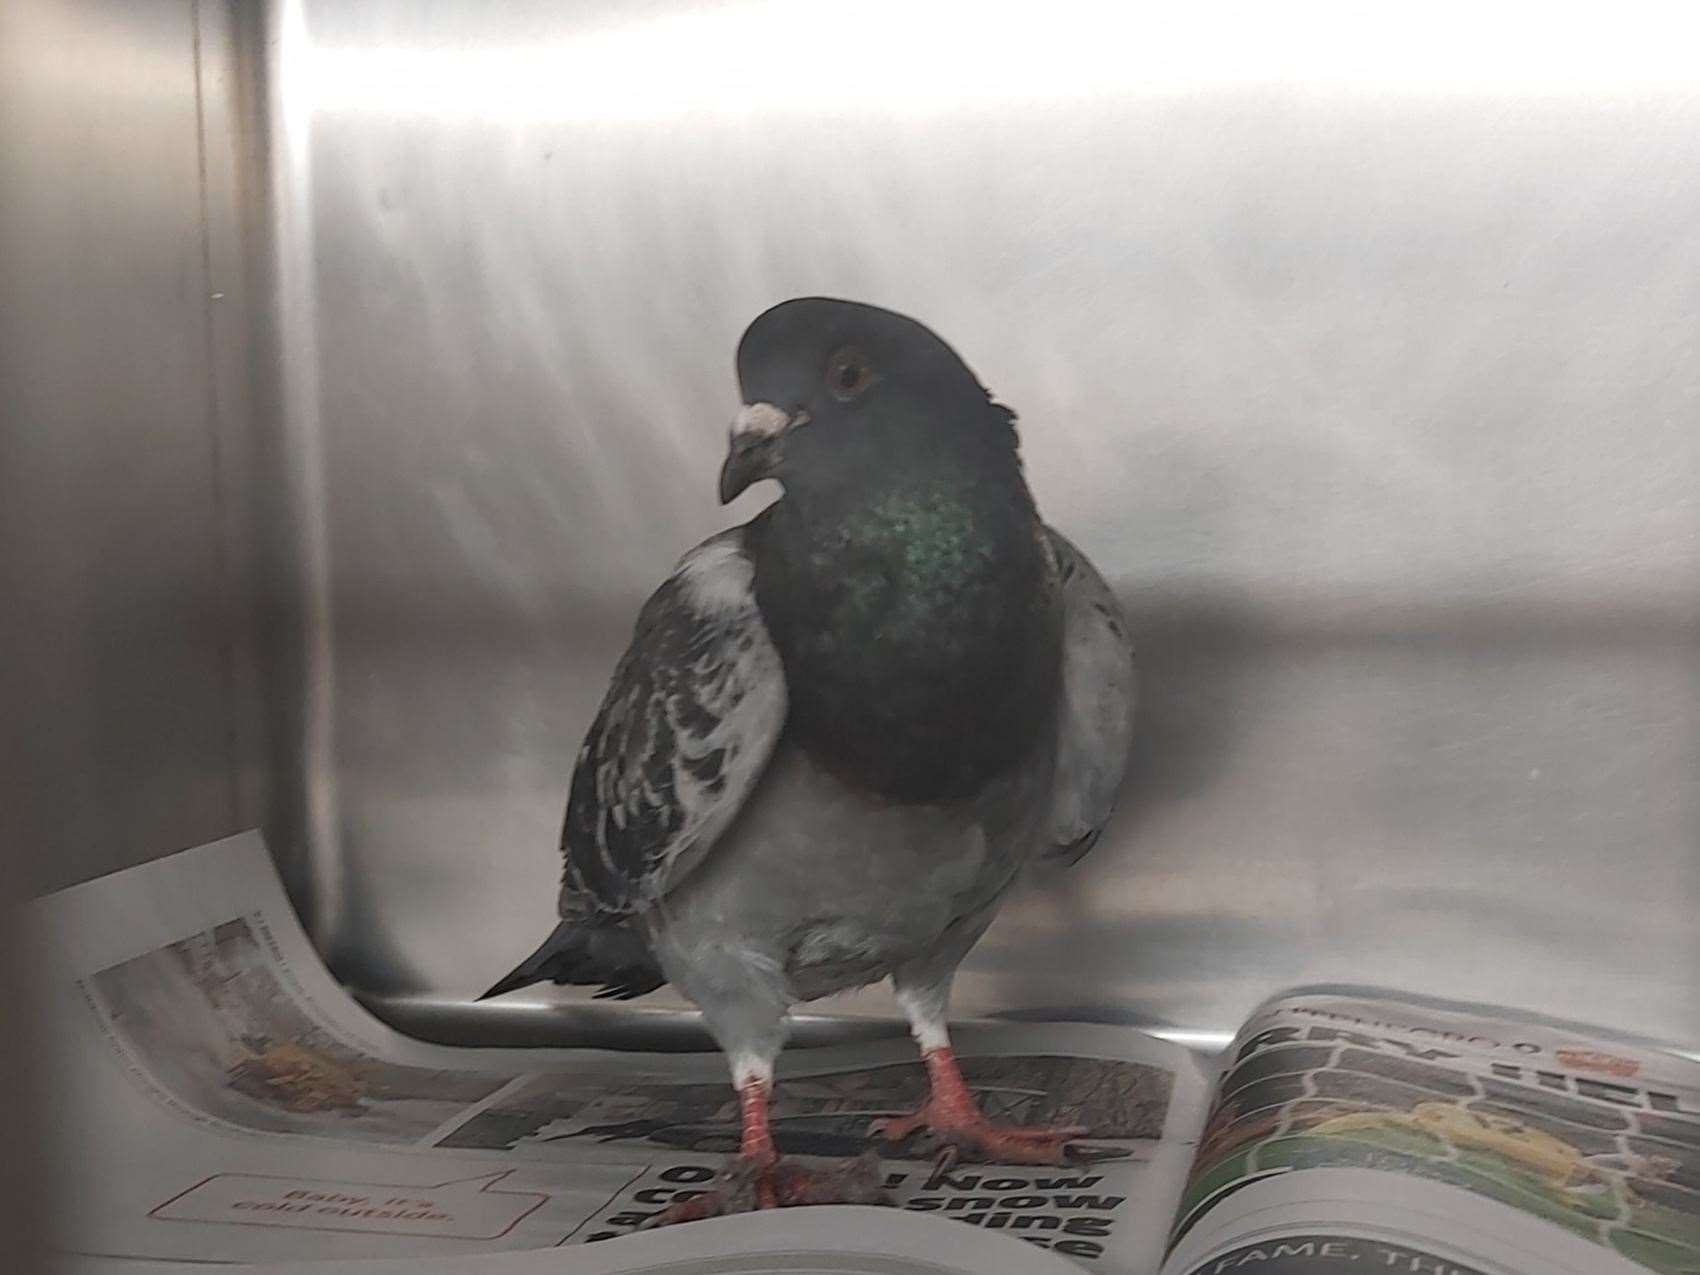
(753, 1182)
(998, 1143)
(956, 1121)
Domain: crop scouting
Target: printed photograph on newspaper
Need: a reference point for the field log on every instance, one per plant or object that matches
(210, 1020)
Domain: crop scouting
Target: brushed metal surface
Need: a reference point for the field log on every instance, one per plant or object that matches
(133, 698)
(1369, 372)
(129, 671)
(1363, 358)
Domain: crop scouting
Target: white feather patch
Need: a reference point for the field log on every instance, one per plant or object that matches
(747, 700)
(717, 578)
(925, 1010)
(750, 1068)
(696, 707)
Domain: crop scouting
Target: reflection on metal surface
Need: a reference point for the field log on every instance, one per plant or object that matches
(900, 58)
(1368, 373)
(131, 685)
(1362, 357)
(311, 680)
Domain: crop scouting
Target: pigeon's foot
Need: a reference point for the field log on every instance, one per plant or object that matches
(752, 1182)
(956, 1122)
(971, 1136)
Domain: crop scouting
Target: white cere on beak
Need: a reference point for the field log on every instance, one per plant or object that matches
(760, 419)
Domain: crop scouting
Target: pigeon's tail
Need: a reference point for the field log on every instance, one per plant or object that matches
(582, 953)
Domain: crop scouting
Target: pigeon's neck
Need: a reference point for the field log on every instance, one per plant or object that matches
(918, 618)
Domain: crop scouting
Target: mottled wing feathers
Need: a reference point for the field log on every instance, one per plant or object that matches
(1095, 717)
(696, 706)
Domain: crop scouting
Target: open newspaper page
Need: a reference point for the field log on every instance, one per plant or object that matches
(1371, 1135)
(220, 1098)
(833, 1240)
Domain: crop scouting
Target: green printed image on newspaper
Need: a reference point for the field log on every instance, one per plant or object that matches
(1615, 1164)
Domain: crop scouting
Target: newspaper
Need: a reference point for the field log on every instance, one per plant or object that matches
(220, 1098)
(1366, 1134)
(843, 1240)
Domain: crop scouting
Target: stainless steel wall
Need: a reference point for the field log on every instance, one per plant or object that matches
(1362, 358)
(127, 326)
(130, 532)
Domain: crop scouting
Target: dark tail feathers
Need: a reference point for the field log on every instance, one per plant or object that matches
(582, 953)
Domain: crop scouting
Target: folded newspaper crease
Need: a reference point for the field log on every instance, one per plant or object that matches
(220, 1098)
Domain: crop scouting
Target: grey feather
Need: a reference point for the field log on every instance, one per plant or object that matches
(1096, 713)
(821, 886)
(687, 726)
(685, 730)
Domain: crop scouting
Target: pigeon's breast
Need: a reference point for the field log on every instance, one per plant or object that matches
(829, 889)
(921, 641)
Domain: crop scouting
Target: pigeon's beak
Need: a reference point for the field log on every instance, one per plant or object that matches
(756, 448)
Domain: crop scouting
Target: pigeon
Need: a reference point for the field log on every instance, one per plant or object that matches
(842, 729)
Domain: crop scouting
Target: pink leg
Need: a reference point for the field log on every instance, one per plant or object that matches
(758, 1179)
(756, 1145)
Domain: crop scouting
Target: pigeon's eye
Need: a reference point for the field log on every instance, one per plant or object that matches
(848, 374)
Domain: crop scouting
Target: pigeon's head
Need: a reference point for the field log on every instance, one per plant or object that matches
(831, 386)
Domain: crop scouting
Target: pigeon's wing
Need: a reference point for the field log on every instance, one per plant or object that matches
(696, 706)
(1095, 718)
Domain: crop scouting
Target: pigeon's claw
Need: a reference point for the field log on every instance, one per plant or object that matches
(753, 1182)
(954, 1119)
(744, 1185)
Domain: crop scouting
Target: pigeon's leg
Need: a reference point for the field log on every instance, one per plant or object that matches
(757, 1178)
(747, 1183)
(950, 1112)
(755, 1145)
